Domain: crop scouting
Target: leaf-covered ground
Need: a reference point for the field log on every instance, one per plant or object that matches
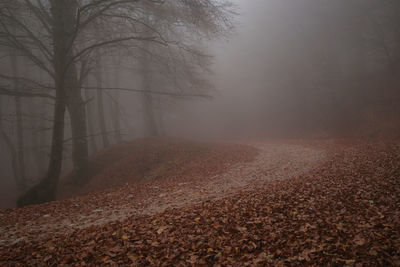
(130, 178)
(150, 159)
(343, 211)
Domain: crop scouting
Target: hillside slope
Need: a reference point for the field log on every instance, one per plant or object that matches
(150, 159)
(294, 204)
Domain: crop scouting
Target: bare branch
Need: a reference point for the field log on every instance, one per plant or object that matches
(5, 91)
(109, 42)
(151, 92)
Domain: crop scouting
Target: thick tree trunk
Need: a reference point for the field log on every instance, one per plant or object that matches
(19, 124)
(100, 103)
(77, 113)
(63, 14)
(46, 190)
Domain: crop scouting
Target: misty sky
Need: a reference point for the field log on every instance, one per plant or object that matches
(239, 70)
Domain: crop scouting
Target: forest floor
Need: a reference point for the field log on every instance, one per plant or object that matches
(258, 203)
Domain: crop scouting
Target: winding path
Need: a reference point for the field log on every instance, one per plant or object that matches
(274, 161)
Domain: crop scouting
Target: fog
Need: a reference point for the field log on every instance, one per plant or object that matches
(258, 69)
(307, 68)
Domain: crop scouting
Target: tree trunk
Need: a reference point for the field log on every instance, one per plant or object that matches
(63, 14)
(12, 151)
(41, 154)
(148, 109)
(116, 119)
(46, 190)
(90, 119)
(160, 119)
(19, 126)
(34, 142)
(13, 155)
(77, 113)
(100, 103)
(148, 113)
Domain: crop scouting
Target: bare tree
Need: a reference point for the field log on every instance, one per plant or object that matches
(48, 34)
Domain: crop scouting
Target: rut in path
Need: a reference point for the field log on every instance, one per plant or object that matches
(274, 161)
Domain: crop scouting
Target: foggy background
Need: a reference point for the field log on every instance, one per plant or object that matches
(313, 68)
(290, 69)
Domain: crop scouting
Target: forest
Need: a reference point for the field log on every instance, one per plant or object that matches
(199, 133)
